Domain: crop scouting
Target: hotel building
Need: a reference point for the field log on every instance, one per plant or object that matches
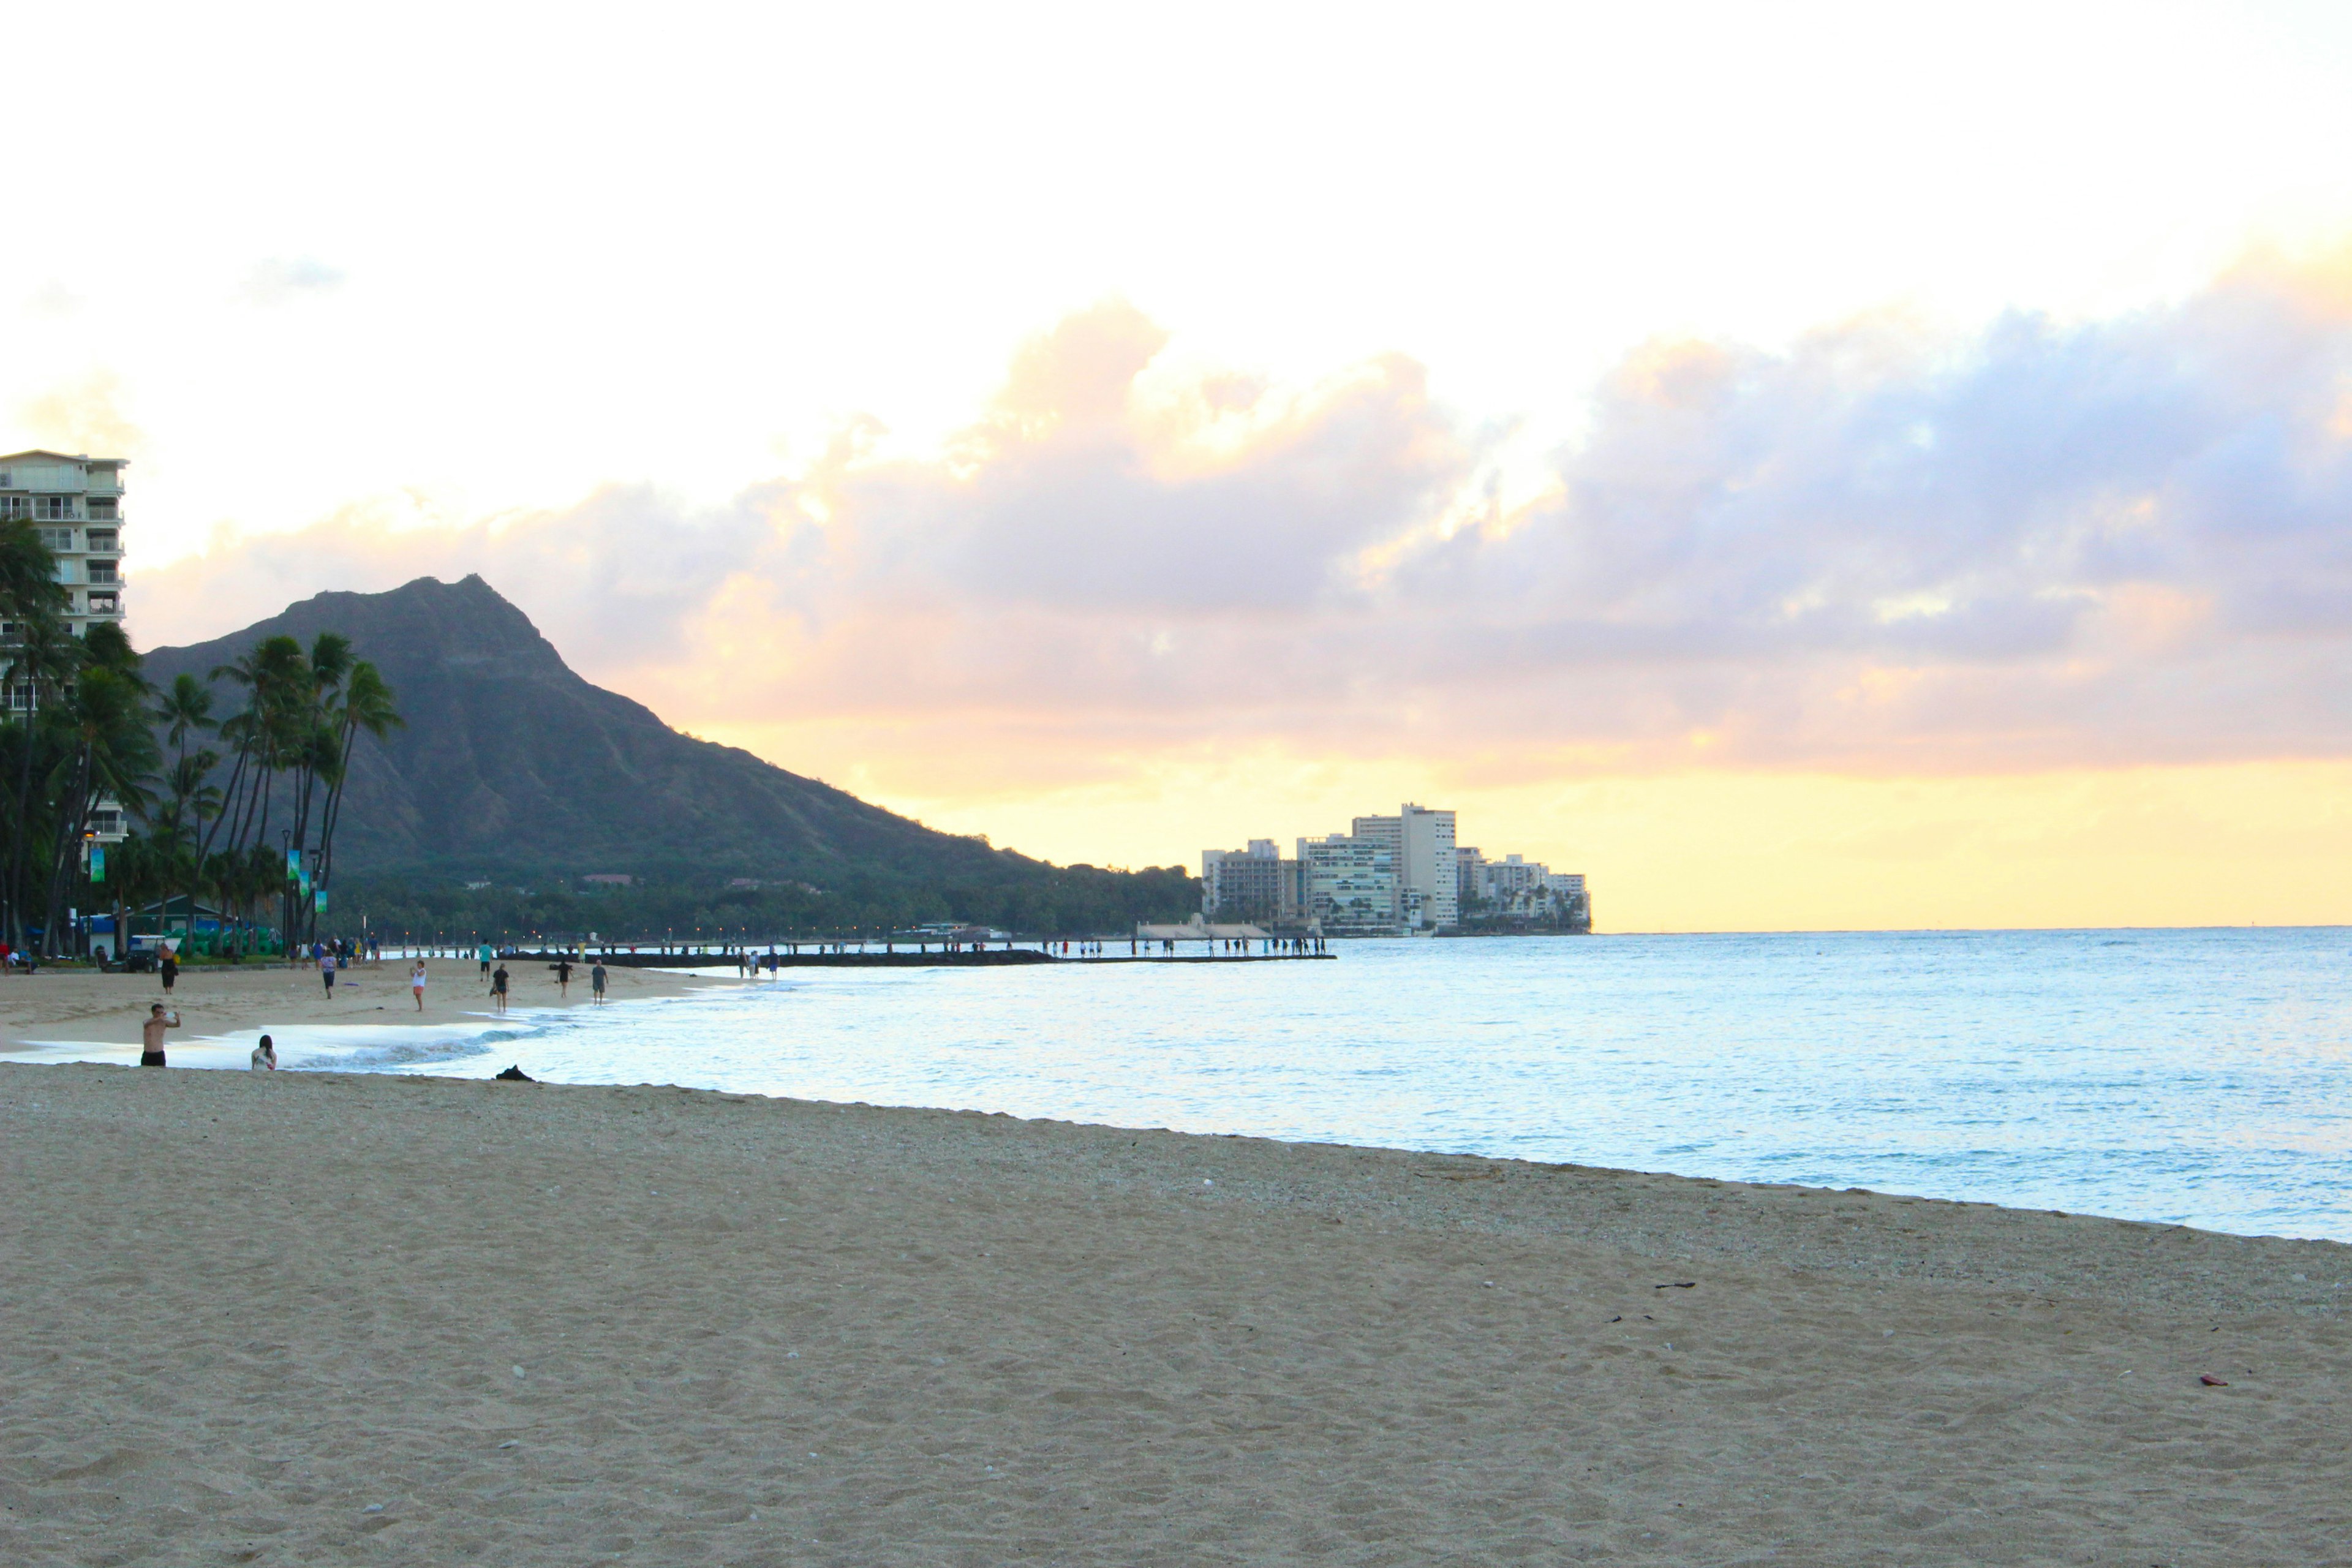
(77, 503)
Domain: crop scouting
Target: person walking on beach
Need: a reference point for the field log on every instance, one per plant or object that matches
(265, 1055)
(563, 978)
(171, 968)
(596, 983)
(486, 955)
(416, 982)
(150, 1034)
(327, 973)
(498, 988)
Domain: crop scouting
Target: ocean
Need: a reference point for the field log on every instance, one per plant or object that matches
(2193, 1077)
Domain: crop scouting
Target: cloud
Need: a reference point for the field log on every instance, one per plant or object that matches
(53, 300)
(279, 281)
(1884, 548)
(82, 416)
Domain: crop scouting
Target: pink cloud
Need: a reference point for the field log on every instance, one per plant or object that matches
(2041, 543)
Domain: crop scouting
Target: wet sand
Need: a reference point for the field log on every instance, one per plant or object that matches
(325, 1318)
(82, 1004)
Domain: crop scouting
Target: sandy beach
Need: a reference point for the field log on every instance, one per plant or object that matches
(311, 1317)
(82, 1004)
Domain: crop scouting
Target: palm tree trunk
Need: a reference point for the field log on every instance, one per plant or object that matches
(69, 828)
(204, 845)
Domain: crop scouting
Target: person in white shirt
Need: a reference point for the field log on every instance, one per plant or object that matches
(416, 984)
(265, 1055)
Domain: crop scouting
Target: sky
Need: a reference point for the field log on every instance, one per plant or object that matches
(1804, 465)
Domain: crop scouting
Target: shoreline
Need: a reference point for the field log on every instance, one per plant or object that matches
(280, 1316)
(61, 1006)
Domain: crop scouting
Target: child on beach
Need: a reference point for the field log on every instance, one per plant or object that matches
(563, 978)
(265, 1055)
(327, 973)
(416, 984)
(150, 1032)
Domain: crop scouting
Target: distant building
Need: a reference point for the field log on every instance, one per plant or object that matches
(609, 880)
(1245, 884)
(1347, 886)
(1421, 846)
(1390, 876)
(1469, 877)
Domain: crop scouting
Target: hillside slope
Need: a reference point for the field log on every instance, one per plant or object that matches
(512, 764)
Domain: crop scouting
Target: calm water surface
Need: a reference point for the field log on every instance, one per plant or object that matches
(2200, 1077)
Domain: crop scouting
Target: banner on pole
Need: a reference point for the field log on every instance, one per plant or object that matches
(320, 900)
(98, 862)
(293, 863)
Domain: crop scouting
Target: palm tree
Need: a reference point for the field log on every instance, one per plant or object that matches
(38, 651)
(108, 751)
(367, 705)
(185, 709)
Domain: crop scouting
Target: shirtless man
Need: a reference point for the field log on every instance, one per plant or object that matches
(151, 1054)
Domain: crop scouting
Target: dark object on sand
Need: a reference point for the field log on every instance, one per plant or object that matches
(2209, 1381)
(516, 1075)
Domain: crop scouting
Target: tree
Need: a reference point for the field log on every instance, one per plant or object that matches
(184, 711)
(39, 652)
(105, 750)
(367, 705)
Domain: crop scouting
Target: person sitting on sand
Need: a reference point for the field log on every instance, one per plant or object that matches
(498, 988)
(416, 982)
(150, 1032)
(596, 983)
(265, 1055)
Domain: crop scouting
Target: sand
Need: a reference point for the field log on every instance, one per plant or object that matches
(84, 1005)
(323, 1318)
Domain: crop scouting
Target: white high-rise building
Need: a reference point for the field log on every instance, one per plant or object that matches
(1419, 843)
(77, 503)
(1347, 886)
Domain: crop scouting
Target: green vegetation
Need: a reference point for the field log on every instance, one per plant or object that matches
(1046, 901)
(73, 736)
(80, 742)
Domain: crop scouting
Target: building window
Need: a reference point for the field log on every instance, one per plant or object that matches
(102, 572)
(59, 538)
(103, 538)
(15, 506)
(53, 509)
(102, 506)
(102, 604)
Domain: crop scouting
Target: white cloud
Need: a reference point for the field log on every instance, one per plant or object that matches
(2129, 541)
(282, 282)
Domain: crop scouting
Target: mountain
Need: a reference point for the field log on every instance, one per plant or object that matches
(513, 765)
